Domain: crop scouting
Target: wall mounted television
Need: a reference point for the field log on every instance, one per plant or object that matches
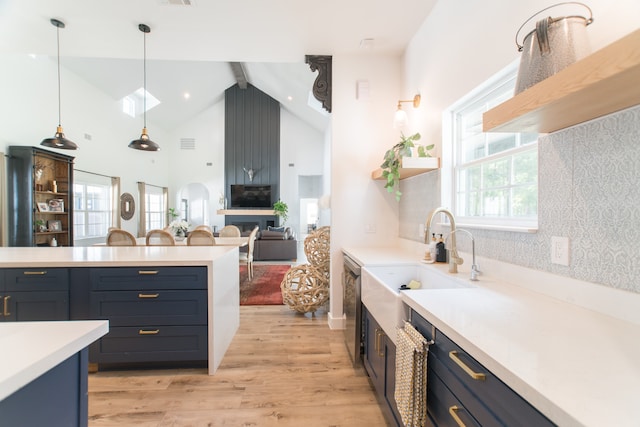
(250, 196)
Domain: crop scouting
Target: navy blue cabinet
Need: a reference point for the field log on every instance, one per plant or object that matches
(34, 294)
(380, 364)
(156, 314)
(460, 390)
(57, 398)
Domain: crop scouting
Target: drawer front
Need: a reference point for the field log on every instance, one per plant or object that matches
(148, 278)
(36, 279)
(443, 407)
(473, 405)
(151, 344)
(159, 307)
(506, 404)
(37, 306)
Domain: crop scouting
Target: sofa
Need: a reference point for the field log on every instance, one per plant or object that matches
(275, 244)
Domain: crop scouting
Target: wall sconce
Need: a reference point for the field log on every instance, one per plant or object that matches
(401, 120)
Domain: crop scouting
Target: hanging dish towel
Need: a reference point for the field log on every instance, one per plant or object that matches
(411, 376)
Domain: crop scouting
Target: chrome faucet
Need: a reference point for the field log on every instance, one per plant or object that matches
(454, 259)
(474, 267)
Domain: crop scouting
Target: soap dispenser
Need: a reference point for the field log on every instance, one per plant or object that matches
(432, 246)
(441, 252)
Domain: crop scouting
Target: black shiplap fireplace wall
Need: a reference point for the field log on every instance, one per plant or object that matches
(252, 140)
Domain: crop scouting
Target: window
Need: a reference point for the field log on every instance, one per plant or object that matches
(494, 175)
(155, 208)
(92, 210)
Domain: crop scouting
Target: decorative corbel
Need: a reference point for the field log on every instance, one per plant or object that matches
(322, 84)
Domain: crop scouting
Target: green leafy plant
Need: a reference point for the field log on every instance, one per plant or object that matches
(281, 209)
(40, 224)
(173, 214)
(393, 161)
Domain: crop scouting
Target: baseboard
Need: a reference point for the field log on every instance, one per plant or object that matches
(336, 322)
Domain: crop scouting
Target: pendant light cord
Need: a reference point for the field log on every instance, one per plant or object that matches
(59, 101)
(144, 79)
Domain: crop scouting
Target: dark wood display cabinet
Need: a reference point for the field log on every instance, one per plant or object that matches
(40, 197)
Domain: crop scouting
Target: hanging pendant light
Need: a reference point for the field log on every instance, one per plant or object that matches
(59, 140)
(144, 143)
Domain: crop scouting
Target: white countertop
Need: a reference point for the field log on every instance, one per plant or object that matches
(577, 366)
(29, 349)
(121, 256)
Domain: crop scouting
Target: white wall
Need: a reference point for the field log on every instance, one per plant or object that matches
(29, 108)
(362, 132)
(302, 146)
(191, 166)
(454, 52)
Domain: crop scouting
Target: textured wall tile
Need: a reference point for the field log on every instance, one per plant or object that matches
(589, 191)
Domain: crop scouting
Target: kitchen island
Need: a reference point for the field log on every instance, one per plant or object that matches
(43, 372)
(221, 316)
(568, 348)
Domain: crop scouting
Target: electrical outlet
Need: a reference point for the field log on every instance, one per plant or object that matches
(421, 230)
(560, 250)
(369, 228)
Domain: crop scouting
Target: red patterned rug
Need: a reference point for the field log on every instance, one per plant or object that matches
(264, 288)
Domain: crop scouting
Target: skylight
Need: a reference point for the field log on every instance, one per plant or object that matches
(133, 104)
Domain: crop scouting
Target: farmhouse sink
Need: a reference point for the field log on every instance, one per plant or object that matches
(381, 290)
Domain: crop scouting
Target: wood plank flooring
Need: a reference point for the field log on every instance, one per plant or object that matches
(282, 369)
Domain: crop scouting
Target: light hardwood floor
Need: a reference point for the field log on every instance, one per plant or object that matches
(282, 369)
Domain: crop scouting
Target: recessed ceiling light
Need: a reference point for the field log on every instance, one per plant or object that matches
(186, 95)
(290, 98)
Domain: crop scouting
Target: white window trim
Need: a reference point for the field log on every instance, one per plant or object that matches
(448, 192)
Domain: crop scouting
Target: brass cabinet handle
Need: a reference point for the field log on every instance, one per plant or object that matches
(148, 295)
(452, 411)
(453, 355)
(34, 273)
(151, 272)
(379, 334)
(143, 332)
(5, 306)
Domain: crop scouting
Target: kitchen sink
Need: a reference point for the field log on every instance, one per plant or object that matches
(381, 290)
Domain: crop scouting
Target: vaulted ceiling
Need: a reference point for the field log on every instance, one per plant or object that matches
(192, 42)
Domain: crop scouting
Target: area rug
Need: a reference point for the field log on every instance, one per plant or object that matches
(264, 288)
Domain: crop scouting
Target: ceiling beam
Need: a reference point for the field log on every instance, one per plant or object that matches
(238, 73)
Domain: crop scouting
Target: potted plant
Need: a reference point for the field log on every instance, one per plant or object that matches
(173, 214)
(393, 161)
(41, 226)
(281, 210)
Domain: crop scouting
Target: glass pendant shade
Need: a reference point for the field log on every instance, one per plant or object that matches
(144, 143)
(59, 140)
(400, 120)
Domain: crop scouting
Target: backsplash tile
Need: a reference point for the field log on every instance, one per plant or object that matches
(589, 191)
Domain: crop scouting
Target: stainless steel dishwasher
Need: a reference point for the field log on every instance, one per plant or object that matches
(352, 309)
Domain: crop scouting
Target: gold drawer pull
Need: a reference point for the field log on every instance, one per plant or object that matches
(5, 306)
(143, 332)
(453, 355)
(454, 415)
(151, 272)
(148, 295)
(379, 348)
(34, 273)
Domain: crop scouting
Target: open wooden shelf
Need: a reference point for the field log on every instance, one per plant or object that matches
(602, 83)
(415, 167)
